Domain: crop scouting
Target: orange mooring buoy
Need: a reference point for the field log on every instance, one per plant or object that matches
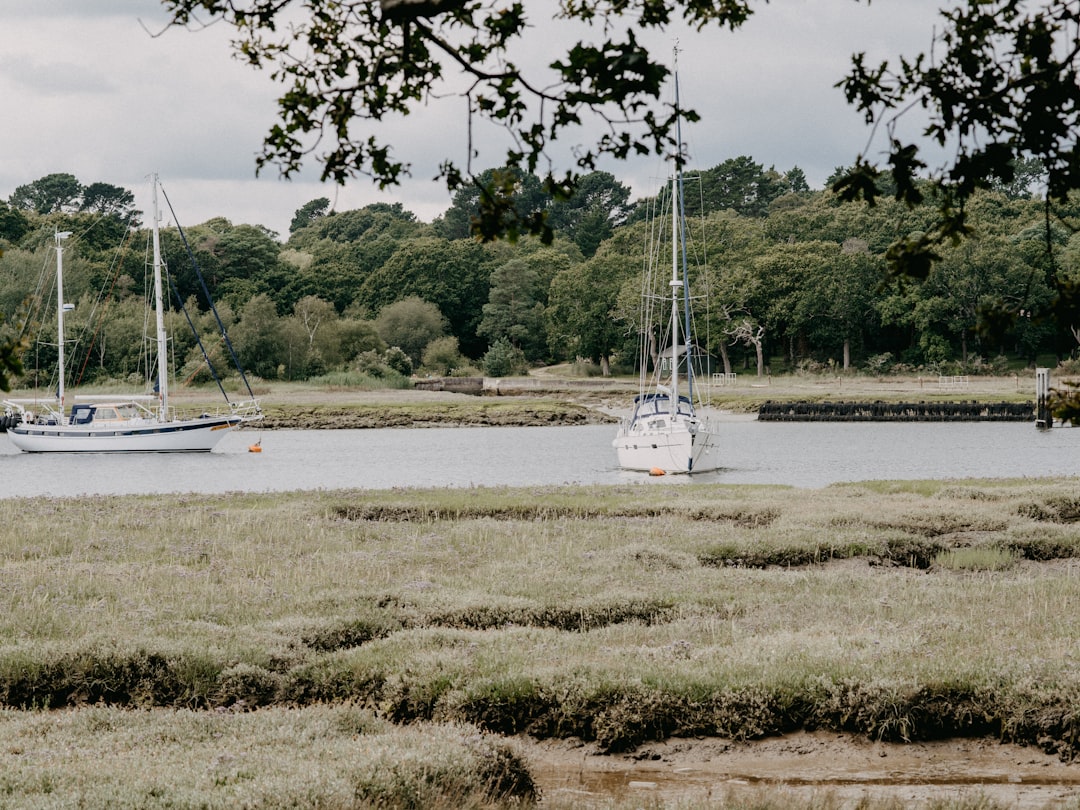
(656, 471)
(256, 448)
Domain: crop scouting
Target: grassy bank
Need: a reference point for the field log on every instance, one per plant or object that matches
(620, 615)
(414, 411)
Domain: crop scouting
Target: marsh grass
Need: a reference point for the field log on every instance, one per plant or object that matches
(624, 614)
(331, 757)
(355, 380)
(976, 559)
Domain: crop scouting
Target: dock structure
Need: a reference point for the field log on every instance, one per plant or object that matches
(896, 411)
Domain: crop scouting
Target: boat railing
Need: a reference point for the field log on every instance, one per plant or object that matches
(189, 412)
(32, 410)
(249, 410)
(115, 398)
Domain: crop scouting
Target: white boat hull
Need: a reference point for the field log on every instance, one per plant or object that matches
(181, 436)
(678, 446)
(127, 424)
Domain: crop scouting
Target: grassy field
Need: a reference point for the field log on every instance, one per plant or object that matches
(385, 648)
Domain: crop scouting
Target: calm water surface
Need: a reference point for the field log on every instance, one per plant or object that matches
(803, 455)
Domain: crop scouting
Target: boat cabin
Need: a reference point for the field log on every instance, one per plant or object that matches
(659, 404)
(83, 413)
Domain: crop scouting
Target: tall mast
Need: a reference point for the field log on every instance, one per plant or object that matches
(676, 282)
(60, 236)
(159, 309)
(682, 245)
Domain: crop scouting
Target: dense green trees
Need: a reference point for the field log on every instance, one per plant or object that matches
(63, 192)
(54, 192)
(743, 186)
(582, 304)
(454, 276)
(599, 205)
(516, 309)
(13, 223)
(236, 262)
(307, 214)
(800, 281)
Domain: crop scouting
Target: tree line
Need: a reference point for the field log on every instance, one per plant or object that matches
(786, 276)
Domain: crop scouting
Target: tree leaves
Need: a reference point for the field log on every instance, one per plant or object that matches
(344, 62)
(1001, 91)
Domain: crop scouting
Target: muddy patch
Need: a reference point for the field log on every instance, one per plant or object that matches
(802, 765)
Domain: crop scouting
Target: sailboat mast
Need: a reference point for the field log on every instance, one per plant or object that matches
(682, 243)
(159, 309)
(676, 284)
(676, 281)
(60, 237)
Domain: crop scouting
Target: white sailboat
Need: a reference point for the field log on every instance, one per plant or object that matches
(137, 423)
(665, 433)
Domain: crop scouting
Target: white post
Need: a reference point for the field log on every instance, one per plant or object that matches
(1043, 418)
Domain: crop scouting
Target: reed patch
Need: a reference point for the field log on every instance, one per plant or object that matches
(416, 513)
(976, 559)
(393, 616)
(1059, 509)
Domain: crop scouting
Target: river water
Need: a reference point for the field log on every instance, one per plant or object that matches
(799, 454)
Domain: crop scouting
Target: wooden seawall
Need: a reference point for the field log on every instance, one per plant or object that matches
(458, 385)
(896, 412)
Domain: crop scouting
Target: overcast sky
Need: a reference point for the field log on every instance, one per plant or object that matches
(88, 91)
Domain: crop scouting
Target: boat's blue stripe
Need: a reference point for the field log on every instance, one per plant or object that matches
(147, 431)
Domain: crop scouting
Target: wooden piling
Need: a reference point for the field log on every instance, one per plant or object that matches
(1044, 420)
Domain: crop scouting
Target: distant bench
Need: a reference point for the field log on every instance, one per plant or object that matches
(953, 383)
(719, 378)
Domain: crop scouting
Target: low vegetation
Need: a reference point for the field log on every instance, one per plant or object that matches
(348, 759)
(471, 411)
(413, 628)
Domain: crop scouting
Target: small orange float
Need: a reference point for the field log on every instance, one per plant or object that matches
(656, 471)
(256, 448)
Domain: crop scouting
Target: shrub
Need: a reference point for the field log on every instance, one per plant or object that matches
(504, 359)
(442, 356)
(879, 363)
(390, 363)
(398, 360)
